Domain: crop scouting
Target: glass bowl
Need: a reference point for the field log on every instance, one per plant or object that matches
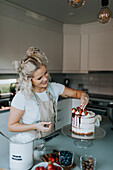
(87, 162)
(66, 158)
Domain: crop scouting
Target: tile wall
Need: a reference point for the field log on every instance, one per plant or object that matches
(94, 82)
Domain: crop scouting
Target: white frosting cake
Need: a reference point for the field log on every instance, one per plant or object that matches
(83, 122)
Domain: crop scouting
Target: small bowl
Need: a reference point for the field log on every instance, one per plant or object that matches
(44, 164)
(87, 160)
(66, 158)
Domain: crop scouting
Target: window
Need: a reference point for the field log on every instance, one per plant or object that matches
(5, 86)
(8, 89)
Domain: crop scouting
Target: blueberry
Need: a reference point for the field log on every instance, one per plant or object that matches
(66, 163)
(63, 162)
(62, 153)
(66, 158)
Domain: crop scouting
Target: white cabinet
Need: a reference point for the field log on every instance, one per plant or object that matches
(101, 51)
(71, 48)
(32, 36)
(3, 128)
(56, 61)
(16, 36)
(64, 111)
(9, 44)
(84, 53)
(47, 41)
(71, 53)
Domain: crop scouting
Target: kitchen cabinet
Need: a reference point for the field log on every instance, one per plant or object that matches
(9, 44)
(101, 51)
(3, 128)
(71, 48)
(64, 111)
(47, 41)
(71, 53)
(84, 53)
(17, 35)
(88, 47)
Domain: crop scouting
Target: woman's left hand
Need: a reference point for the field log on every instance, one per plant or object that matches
(84, 99)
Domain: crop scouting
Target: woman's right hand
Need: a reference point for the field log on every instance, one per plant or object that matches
(41, 126)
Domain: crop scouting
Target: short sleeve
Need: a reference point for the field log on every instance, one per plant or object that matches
(19, 101)
(58, 88)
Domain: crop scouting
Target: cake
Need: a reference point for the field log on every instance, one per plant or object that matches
(83, 121)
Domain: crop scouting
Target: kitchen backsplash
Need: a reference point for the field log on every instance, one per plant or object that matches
(94, 82)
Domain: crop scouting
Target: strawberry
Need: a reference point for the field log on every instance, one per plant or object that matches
(86, 113)
(73, 110)
(57, 159)
(78, 108)
(41, 168)
(49, 159)
(80, 112)
(50, 167)
(37, 168)
(52, 160)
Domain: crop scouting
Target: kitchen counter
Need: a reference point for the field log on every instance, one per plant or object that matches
(101, 96)
(102, 149)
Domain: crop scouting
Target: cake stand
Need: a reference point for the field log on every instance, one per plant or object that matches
(84, 141)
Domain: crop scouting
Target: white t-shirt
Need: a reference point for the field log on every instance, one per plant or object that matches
(32, 112)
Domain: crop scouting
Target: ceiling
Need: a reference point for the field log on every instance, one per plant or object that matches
(60, 11)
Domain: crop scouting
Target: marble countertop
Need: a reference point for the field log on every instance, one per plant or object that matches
(102, 149)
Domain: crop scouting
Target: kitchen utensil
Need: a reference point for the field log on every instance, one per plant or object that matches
(45, 140)
(5, 136)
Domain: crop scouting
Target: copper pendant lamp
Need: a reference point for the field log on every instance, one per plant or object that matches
(104, 15)
(76, 3)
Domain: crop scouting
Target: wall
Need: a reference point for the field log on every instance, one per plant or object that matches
(95, 82)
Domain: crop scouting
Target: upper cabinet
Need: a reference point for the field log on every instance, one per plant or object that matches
(20, 31)
(47, 41)
(88, 47)
(71, 49)
(9, 44)
(101, 51)
(97, 46)
(71, 53)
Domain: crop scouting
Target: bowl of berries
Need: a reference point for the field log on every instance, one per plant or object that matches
(66, 158)
(47, 166)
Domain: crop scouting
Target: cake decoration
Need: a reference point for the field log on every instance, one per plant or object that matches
(83, 121)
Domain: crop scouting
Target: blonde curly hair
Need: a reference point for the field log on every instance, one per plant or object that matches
(34, 60)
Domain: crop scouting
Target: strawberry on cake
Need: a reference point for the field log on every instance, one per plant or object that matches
(83, 121)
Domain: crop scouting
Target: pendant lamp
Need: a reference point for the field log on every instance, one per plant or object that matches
(76, 3)
(104, 14)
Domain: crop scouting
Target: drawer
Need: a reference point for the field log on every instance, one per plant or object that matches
(3, 119)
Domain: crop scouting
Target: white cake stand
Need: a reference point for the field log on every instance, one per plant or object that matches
(84, 141)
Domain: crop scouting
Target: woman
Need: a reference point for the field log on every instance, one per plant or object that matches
(33, 108)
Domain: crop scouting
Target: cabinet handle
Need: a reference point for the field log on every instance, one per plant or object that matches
(58, 120)
(59, 110)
